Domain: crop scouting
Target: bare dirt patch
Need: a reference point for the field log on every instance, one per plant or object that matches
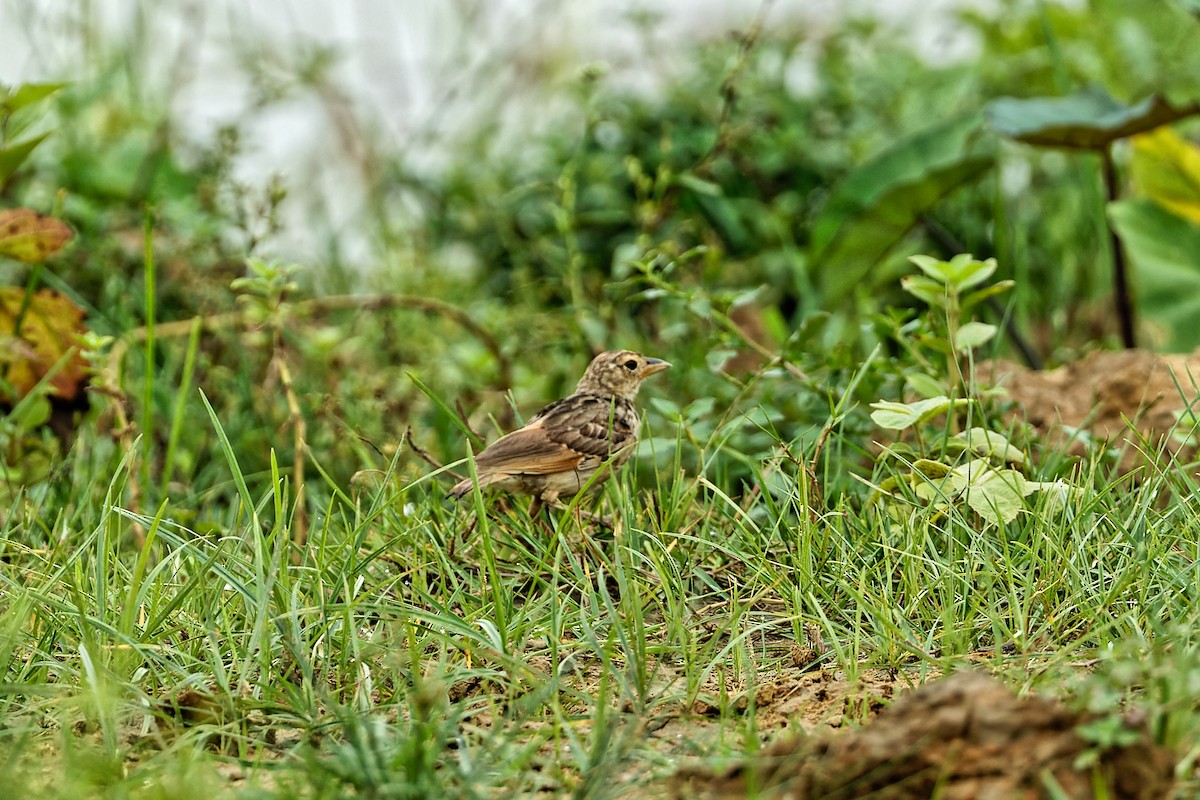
(1109, 394)
(965, 737)
(809, 701)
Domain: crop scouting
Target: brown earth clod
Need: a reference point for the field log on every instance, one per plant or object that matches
(1108, 394)
(965, 737)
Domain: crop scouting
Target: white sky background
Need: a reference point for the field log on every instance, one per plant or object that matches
(415, 71)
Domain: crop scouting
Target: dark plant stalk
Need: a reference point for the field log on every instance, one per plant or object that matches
(1121, 295)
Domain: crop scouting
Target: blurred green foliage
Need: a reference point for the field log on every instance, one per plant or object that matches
(749, 221)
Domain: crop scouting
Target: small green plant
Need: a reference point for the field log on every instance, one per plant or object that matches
(954, 288)
(1140, 681)
(264, 294)
(976, 468)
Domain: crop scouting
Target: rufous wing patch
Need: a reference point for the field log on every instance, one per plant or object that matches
(528, 451)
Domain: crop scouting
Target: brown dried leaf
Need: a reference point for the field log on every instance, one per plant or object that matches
(29, 236)
(51, 326)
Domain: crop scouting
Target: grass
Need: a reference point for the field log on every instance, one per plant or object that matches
(408, 651)
(164, 633)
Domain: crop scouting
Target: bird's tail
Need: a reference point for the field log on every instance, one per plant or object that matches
(463, 487)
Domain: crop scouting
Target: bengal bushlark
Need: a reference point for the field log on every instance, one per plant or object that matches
(563, 446)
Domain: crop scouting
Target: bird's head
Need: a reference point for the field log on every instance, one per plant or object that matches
(619, 373)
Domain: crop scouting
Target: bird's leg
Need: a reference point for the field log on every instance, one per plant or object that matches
(539, 513)
(453, 545)
(603, 520)
(536, 506)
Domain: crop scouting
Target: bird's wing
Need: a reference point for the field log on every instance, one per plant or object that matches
(528, 451)
(559, 438)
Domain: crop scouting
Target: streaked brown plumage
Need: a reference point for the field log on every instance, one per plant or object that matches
(565, 443)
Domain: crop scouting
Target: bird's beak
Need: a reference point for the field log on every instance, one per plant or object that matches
(654, 365)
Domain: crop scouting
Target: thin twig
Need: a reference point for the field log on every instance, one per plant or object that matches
(108, 380)
(810, 469)
(729, 89)
(424, 455)
(239, 319)
(299, 446)
(462, 417)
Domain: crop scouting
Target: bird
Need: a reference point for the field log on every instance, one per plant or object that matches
(562, 447)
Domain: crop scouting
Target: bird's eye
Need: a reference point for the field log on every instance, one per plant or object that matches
(631, 365)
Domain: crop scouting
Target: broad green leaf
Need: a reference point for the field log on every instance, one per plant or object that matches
(931, 469)
(31, 415)
(994, 494)
(1165, 251)
(886, 487)
(927, 289)
(698, 409)
(976, 297)
(974, 334)
(668, 408)
(20, 109)
(924, 385)
(717, 357)
(997, 495)
(900, 451)
(960, 272)
(937, 490)
(1056, 495)
(966, 271)
(898, 416)
(14, 155)
(31, 237)
(1166, 168)
(935, 268)
(1087, 120)
(14, 99)
(990, 444)
(878, 203)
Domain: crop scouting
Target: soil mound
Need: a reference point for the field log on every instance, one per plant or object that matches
(965, 737)
(1110, 394)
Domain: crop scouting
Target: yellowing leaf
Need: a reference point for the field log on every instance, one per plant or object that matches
(996, 494)
(1166, 169)
(29, 236)
(50, 326)
(1057, 495)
